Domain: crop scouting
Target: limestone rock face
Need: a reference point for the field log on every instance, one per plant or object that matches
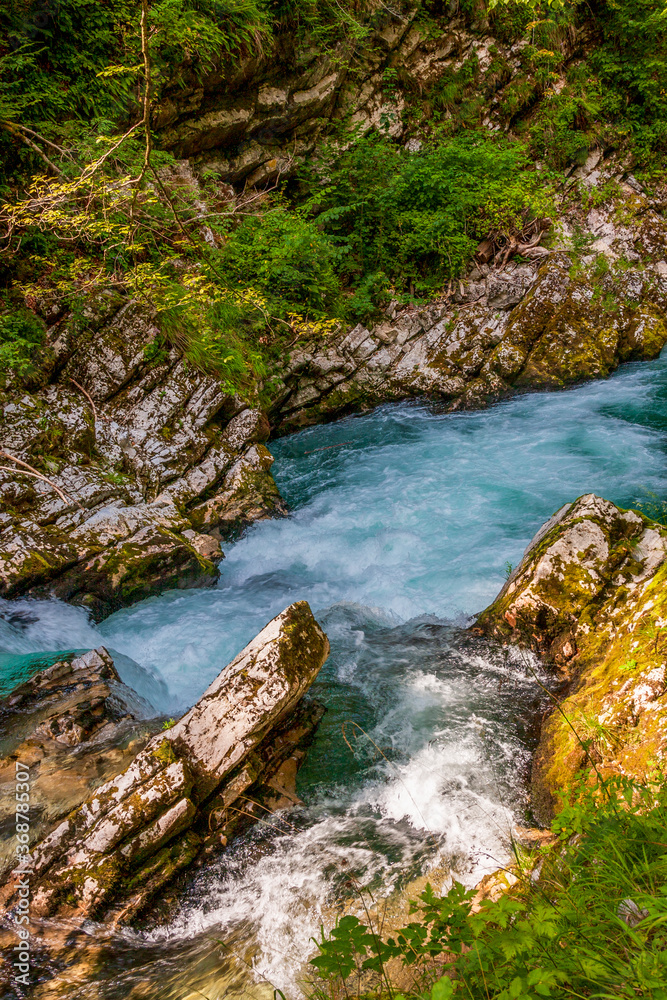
(257, 117)
(530, 326)
(577, 562)
(227, 761)
(153, 442)
(589, 595)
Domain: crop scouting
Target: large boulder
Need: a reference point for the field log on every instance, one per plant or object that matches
(231, 758)
(589, 597)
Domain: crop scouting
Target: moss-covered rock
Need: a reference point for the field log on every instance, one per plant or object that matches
(543, 325)
(110, 855)
(589, 596)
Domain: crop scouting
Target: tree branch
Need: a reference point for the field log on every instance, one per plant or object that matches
(36, 475)
(30, 131)
(31, 145)
(146, 120)
(88, 397)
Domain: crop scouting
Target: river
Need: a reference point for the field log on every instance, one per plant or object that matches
(403, 525)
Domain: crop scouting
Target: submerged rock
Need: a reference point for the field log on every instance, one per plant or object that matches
(72, 726)
(590, 596)
(228, 761)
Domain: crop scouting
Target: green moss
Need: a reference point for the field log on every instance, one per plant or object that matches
(165, 753)
(164, 865)
(604, 697)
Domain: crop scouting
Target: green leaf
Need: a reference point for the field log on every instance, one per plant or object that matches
(443, 989)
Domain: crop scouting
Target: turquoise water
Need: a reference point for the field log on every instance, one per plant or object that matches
(415, 513)
(403, 522)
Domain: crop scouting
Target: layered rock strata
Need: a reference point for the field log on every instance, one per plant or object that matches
(231, 759)
(545, 324)
(257, 117)
(590, 597)
(125, 467)
(145, 466)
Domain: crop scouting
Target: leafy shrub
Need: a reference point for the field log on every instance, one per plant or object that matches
(418, 217)
(211, 326)
(590, 922)
(21, 336)
(286, 256)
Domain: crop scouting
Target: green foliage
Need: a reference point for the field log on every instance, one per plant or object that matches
(79, 59)
(590, 920)
(284, 255)
(210, 324)
(21, 336)
(73, 63)
(370, 221)
(616, 96)
(416, 218)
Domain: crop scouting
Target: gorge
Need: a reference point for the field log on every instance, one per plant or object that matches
(333, 545)
(396, 539)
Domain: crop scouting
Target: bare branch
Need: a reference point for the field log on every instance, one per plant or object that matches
(35, 148)
(88, 397)
(36, 475)
(146, 120)
(30, 131)
(89, 171)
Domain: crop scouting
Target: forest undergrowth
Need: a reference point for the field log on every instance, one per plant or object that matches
(92, 206)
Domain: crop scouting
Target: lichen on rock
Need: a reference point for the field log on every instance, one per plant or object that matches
(538, 325)
(589, 597)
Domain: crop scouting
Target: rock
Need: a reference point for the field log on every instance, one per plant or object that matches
(164, 464)
(530, 327)
(589, 596)
(248, 494)
(70, 725)
(162, 438)
(241, 743)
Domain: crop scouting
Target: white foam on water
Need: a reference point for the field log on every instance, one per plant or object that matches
(405, 527)
(31, 626)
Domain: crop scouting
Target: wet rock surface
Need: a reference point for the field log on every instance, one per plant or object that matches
(72, 726)
(589, 595)
(150, 465)
(223, 765)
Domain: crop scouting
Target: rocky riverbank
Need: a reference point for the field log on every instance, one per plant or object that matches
(123, 473)
(589, 597)
(188, 790)
(124, 467)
